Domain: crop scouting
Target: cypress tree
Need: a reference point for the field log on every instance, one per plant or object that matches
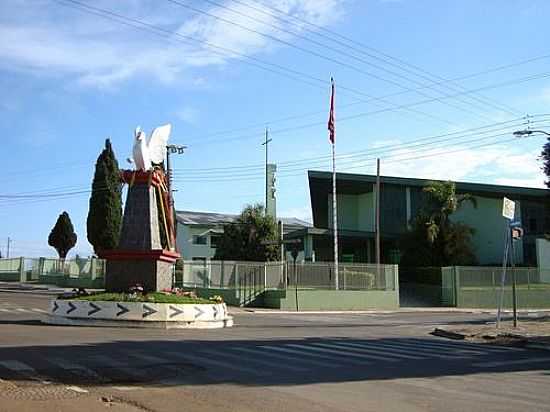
(62, 237)
(105, 213)
(545, 158)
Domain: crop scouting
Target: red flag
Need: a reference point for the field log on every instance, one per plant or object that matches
(331, 124)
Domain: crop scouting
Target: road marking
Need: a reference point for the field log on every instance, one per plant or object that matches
(217, 364)
(75, 367)
(277, 365)
(39, 310)
(334, 351)
(440, 347)
(4, 310)
(510, 362)
(24, 369)
(408, 350)
(111, 363)
(265, 351)
(369, 355)
(390, 352)
(469, 346)
(336, 361)
(23, 310)
(17, 366)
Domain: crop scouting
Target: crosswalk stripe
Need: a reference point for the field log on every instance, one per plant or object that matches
(470, 346)
(24, 369)
(510, 362)
(365, 347)
(278, 365)
(112, 363)
(368, 353)
(4, 310)
(454, 348)
(407, 350)
(218, 364)
(335, 360)
(17, 366)
(75, 367)
(334, 351)
(288, 357)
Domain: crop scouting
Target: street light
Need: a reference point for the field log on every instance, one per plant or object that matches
(528, 132)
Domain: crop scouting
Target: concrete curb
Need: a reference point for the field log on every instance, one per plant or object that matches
(138, 314)
(385, 312)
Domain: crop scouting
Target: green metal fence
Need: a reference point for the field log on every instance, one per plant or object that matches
(479, 287)
(244, 283)
(86, 273)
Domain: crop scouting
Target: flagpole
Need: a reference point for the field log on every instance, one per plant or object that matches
(332, 139)
(335, 216)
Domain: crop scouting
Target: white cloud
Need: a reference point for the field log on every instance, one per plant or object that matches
(99, 52)
(188, 114)
(303, 213)
(495, 164)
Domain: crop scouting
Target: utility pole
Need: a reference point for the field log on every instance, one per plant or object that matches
(266, 144)
(8, 250)
(377, 225)
(172, 149)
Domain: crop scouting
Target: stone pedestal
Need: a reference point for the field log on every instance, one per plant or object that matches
(141, 258)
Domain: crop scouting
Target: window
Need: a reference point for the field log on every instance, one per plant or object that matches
(214, 241)
(199, 240)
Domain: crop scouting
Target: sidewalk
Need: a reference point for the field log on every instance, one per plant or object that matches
(264, 311)
(531, 333)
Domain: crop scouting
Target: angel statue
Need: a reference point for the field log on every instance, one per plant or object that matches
(150, 153)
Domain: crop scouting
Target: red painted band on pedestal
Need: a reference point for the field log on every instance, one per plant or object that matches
(139, 176)
(157, 254)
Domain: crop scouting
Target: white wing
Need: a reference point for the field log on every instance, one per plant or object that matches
(157, 143)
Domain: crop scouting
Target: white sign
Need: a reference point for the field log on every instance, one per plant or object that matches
(508, 208)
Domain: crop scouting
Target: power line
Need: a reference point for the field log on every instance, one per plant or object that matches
(402, 106)
(309, 114)
(226, 52)
(317, 54)
(333, 37)
(372, 152)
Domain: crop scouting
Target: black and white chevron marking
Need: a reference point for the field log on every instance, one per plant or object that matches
(175, 312)
(94, 310)
(148, 311)
(123, 309)
(72, 307)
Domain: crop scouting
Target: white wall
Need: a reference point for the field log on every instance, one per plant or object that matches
(185, 244)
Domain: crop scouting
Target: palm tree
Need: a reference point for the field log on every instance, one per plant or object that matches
(444, 201)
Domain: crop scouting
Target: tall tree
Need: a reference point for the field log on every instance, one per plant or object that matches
(435, 240)
(545, 157)
(62, 237)
(105, 213)
(244, 239)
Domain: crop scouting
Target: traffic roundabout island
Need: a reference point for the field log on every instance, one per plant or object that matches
(155, 310)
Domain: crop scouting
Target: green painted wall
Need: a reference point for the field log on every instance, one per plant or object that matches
(487, 298)
(489, 224)
(309, 299)
(365, 212)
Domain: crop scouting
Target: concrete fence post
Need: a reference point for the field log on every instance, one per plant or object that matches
(457, 285)
(93, 268)
(22, 273)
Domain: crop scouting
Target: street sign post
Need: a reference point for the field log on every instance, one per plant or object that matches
(512, 233)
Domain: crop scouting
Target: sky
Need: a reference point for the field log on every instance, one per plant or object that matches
(433, 88)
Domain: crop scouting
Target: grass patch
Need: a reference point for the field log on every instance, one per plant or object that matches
(155, 297)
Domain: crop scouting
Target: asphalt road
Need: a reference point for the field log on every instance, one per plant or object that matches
(268, 362)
